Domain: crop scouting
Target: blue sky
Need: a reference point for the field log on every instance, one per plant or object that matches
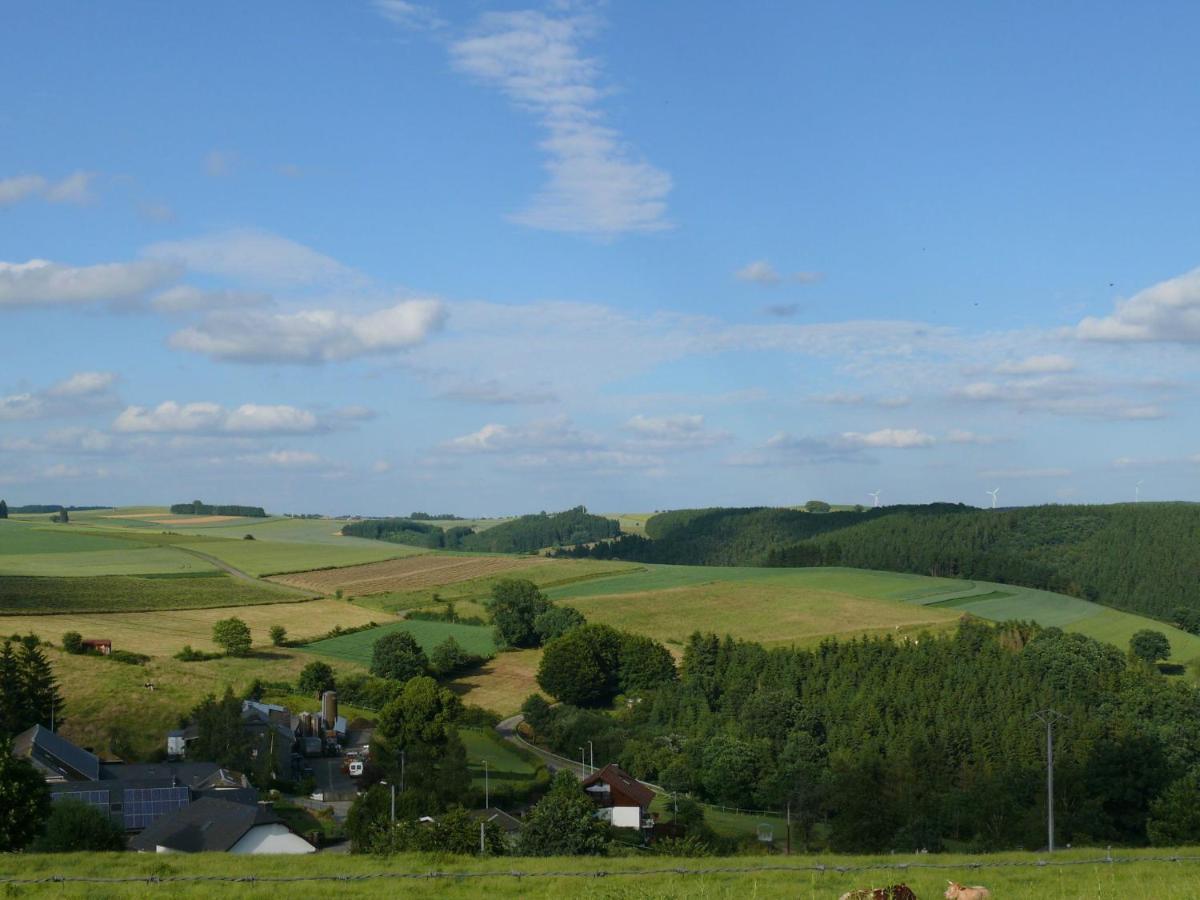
(489, 258)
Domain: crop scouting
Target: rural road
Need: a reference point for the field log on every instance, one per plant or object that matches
(219, 563)
(508, 730)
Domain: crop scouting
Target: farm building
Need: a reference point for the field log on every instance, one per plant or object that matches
(134, 795)
(103, 646)
(623, 800)
(218, 826)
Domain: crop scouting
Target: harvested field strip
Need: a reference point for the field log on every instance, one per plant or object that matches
(261, 558)
(501, 684)
(165, 632)
(412, 573)
(358, 647)
(120, 593)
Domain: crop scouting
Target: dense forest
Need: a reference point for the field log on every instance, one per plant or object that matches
(1068, 549)
(931, 744)
(526, 534)
(196, 508)
(38, 508)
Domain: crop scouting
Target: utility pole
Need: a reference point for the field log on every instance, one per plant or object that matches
(1048, 717)
(487, 799)
(582, 763)
(789, 828)
(482, 850)
(401, 770)
(591, 757)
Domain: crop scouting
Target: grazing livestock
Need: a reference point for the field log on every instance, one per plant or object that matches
(895, 892)
(957, 891)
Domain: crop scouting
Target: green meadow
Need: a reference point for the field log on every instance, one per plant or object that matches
(357, 647)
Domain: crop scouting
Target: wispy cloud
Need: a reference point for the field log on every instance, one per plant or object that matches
(760, 271)
(256, 257)
(1005, 474)
(406, 14)
(219, 163)
(74, 395)
(75, 188)
(680, 431)
(596, 183)
(1037, 365)
(311, 336)
(171, 417)
(40, 282)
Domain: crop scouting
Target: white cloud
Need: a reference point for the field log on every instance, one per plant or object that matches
(83, 384)
(760, 272)
(680, 431)
(211, 418)
(851, 398)
(1037, 365)
(491, 391)
(355, 412)
(311, 336)
(75, 188)
(1167, 311)
(960, 436)
(77, 394)
(39, 282)
(895, 438)
(381, 467)
(1069, 396)
(595, 184)
(285, 459)
(258, 257)
(414, 16)
(557, 433)
(186, 298)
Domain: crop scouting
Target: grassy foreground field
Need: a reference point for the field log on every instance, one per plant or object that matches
(1072, 875)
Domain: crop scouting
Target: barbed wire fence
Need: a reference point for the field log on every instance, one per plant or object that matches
(818, 868)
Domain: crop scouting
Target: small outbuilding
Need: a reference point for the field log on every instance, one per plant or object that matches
(219, 826)
(103, 646)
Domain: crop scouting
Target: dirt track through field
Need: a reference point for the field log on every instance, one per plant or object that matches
(411, 573)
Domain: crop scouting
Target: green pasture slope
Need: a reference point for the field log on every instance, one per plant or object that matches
(357, 647)
(1080, 874)
(987, 600)
(23, 595)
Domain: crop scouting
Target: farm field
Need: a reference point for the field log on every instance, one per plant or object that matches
(165, 632)
(545, 573)
(120, 593)
(1079, 874)
(502, 683)
(999, 602)
(260, 558)
(109, 709)
(770, 613)
(414, 573)
(505, 765)
(132, 559)
(357, 647)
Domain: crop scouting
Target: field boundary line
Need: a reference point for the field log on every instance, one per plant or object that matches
(821, 868)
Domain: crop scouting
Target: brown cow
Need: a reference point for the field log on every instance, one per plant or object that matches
(956, 891)
(894, 892)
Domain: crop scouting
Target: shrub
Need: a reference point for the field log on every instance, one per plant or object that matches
(278, 635)
(129, 657)
(72, 642)
(75, 827)
(449, 658)
(188, 654)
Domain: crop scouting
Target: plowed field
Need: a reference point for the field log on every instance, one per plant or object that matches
(409, 574)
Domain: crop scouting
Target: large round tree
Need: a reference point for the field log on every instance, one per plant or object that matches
(398, 656)
(581, 667)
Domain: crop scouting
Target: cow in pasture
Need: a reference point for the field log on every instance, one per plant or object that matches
(894, 892)
(956, 891)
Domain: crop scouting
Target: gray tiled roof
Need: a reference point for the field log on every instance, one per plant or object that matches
(47, 750)
(208, 825)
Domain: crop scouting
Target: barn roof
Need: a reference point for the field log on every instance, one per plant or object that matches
(56, 755)
(616, 777)
(208, 825)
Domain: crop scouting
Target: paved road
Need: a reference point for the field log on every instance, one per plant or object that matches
(508, 730)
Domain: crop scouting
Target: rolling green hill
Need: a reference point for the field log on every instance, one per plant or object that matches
(1064, 549)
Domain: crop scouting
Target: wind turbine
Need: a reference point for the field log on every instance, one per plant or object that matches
(874, 494)
(994, 492)
(1137, 491)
